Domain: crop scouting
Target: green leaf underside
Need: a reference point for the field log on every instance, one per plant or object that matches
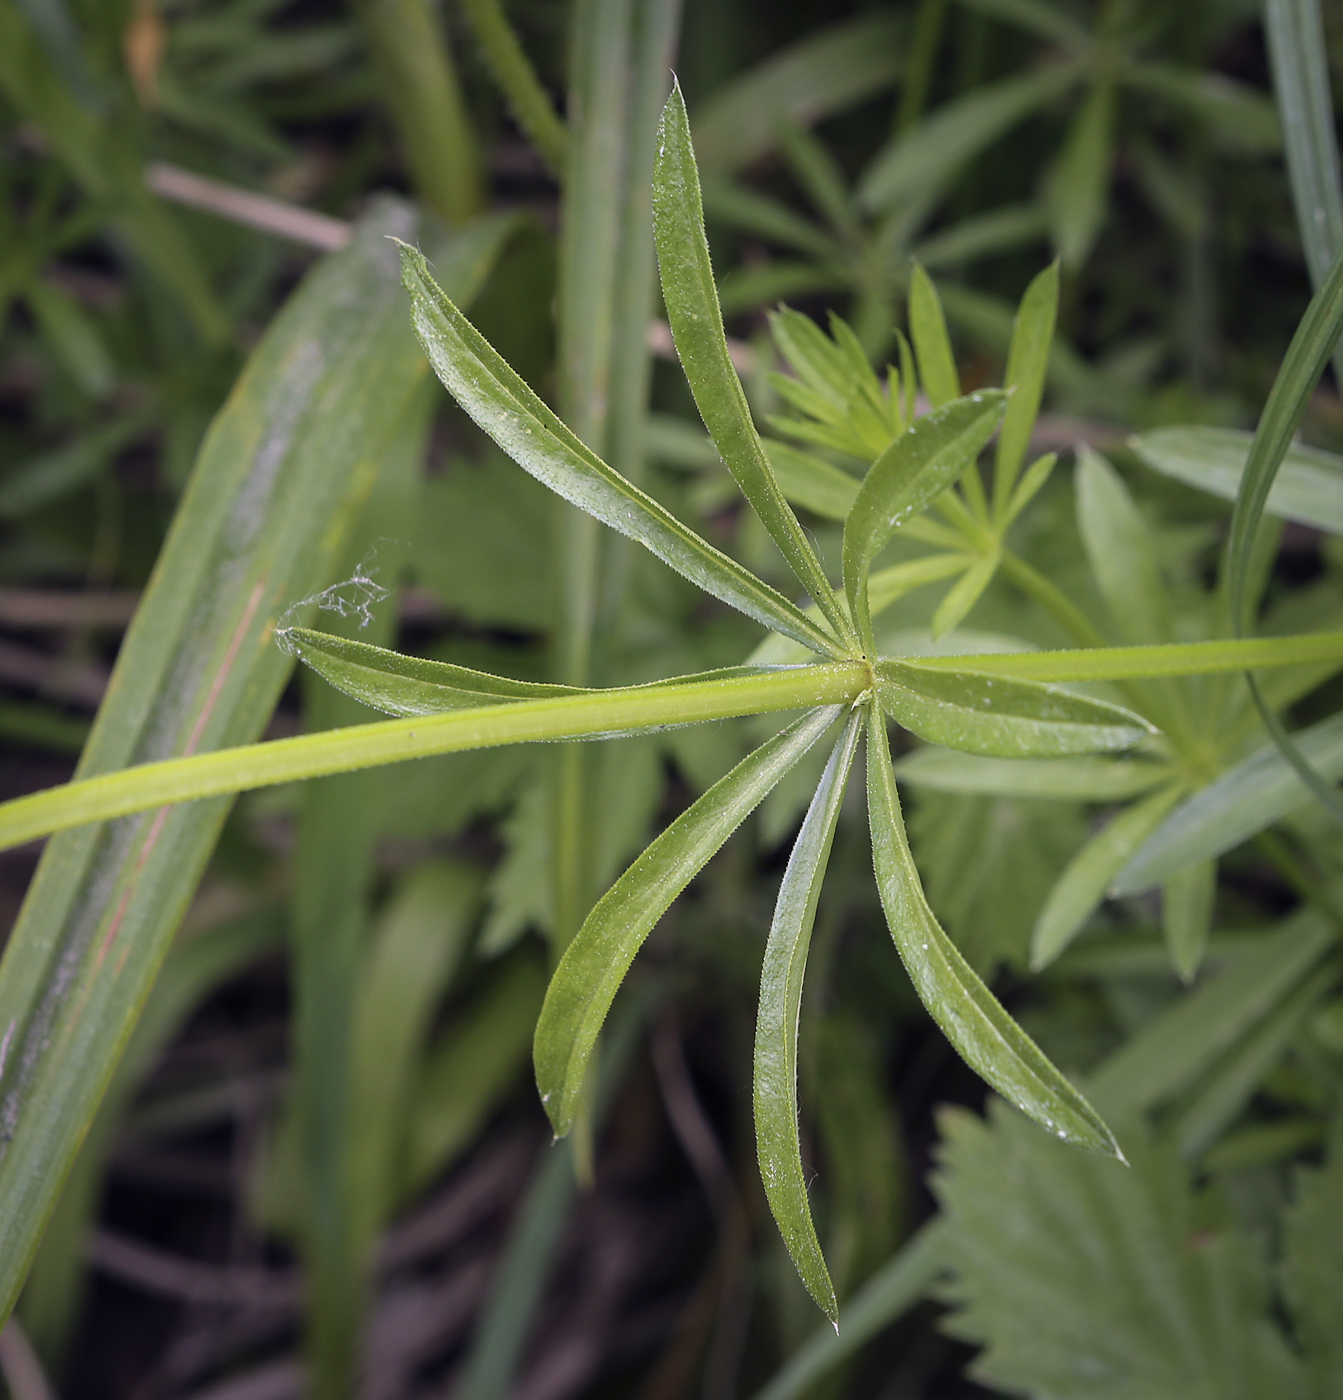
(505, 408)
(595, 963)
(1139, 662)
(1002, 718)
(1308, 487)
(691, 299)
(972, 1019)
(917, 467)
(1078, 779)
(1241, 803)
(1085, 882)
(607, 713)
(775, 1094)
(410, 685)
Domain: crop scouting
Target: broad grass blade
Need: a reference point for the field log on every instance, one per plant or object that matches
(1087, 879)
(1002, 718)
(595, 963)
(1241, 803)
(775, 1093)
(1027, 366)
(507, 409)
(260, 525)
(917, 467)
(982, 1032)
(1308, 487)
(691, 299)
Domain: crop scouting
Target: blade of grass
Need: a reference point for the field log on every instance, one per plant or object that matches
(775, 1094)
(260, 524)
(691, 298)
(527, 99)
(595, 963)
(422, 91)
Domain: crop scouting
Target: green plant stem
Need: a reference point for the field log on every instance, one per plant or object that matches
(422, 92)
(251, 766)
(515, 75)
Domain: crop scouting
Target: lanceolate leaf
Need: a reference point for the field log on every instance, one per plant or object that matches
(595, 963)
(1086, 881)
(409, 685)
(1075, 779)
(928, 327)
(506, 408)
(261, 524)
(1002, 718)
(776, 1130)
(917, 467)
(1308, 487)
(691, 299)
(1027, 363)
(982, 1032)
(1242, 802)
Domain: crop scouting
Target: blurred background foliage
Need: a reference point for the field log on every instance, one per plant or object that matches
(1135, 140)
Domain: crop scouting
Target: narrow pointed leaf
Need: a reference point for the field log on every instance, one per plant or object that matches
(917, 467)
(1072, 779)
(409, 685)
(973, 1020)
(595, 963)
(1002, 718)
(505, 407)
(691, 298)
(1027, 364)
(1087, 879)
(964, 594)
(1308, 487)
(1186, 914)
(1077, 186)
(776, 1128)
(932, 345)
(1241, 803)
(811, 482)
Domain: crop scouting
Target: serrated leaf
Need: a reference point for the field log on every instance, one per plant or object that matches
(975, 1023)
(917, 467)
(932, 345)
(595, 963)
(1312, 1267)
(1238, 805)
(1027, 365)
(504, 407)
(1186, 915)
(691, 299)
(1069, 779)
(775, 1092)
(1085, 1281)
(1308, 487)
(1085, 883)
(1001, 718)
